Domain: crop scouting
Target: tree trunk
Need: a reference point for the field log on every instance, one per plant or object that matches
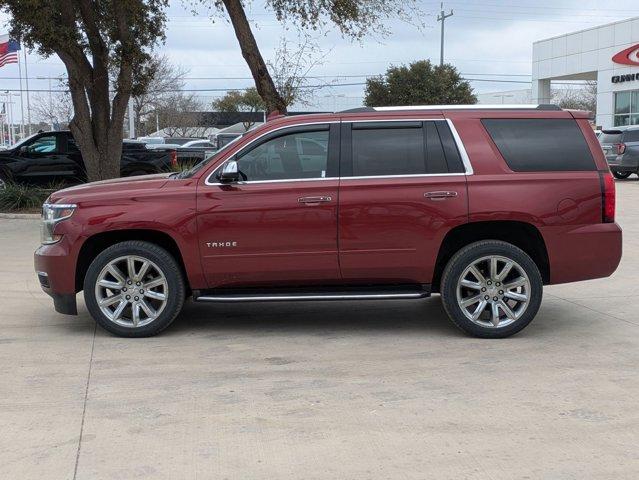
(263, 82)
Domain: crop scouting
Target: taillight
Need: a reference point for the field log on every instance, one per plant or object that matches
(174, 158)
(608, 197)
(621, 148)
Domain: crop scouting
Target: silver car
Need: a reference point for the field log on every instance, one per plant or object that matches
(621, 147)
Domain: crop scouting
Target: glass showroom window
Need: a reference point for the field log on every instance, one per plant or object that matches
(627, 108)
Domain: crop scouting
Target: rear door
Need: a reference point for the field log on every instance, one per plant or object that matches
(402, 187)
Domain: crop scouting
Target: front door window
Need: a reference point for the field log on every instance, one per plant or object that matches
(300, 155)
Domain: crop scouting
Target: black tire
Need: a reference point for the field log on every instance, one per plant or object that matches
(472, 253)
(169, 268)
(621, 175)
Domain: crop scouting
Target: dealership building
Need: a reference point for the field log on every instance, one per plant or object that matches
(608, 54)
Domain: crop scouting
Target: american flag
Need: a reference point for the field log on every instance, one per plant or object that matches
(9, 49)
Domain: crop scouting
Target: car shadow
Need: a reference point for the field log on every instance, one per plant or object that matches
(423, 316)
(401, 317)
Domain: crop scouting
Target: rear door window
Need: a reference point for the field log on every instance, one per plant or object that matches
(400, 148)
(388, 151)
(540, 144)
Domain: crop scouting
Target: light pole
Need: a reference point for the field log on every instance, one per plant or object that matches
(9, 111)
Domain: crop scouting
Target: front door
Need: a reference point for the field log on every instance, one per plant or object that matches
(44, 162)
(278, 226)
(403, 187)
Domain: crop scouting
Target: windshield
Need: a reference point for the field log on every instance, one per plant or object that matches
(23, 141)
(189, 173)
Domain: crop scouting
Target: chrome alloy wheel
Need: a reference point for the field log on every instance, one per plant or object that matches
(131, 291)
(493, 291)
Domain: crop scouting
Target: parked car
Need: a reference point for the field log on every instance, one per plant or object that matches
(167, 140)
(621, 147)
(53, 157)
(206, 144)
(481, 205)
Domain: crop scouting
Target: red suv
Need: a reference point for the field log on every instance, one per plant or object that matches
(482, 205)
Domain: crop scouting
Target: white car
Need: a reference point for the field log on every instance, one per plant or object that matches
(198, 144)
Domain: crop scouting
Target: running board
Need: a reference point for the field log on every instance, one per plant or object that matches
(281, 295)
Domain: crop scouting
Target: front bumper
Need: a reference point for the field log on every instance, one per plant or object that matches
(55, 269)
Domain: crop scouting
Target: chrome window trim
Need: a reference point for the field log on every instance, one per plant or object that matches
(460, 146)
(413, 175)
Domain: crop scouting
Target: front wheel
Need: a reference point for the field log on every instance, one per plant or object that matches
(621, 175)
(134, 289)
(491, 289)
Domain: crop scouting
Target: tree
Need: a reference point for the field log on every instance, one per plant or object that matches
(290, 69)
(420, 83)
(167, 79)
(579, 99)
(181, 116)
(353, 18)
(97, 40)
(54, 109)
(240, 101)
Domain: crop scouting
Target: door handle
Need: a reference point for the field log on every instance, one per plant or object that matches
(314, 200)
(442, 195)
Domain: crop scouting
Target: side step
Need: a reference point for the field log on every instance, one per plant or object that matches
(313, 294)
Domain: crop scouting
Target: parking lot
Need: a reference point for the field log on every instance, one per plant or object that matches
(322, 390)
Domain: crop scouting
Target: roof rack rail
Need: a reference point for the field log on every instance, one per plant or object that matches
(543, 106)
(358, 110)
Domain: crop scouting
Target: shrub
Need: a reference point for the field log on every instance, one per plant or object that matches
(15, 197)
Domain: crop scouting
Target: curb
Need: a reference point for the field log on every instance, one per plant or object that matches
(20, 216)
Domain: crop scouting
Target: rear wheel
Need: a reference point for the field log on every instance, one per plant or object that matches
(621, 175)
(134, 289)
(491, 289)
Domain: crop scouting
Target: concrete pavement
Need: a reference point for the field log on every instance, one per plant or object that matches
(368, 390)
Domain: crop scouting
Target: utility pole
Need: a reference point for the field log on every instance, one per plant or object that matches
(441, 18)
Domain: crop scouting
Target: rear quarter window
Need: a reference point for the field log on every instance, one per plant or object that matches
(540, 144)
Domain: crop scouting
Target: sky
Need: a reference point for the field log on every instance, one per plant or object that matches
(489, 41)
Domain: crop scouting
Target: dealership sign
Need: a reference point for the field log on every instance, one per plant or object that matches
(629, 56)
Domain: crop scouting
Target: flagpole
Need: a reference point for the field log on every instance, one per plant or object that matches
(2, 117)
(21, 101)
(26, 79)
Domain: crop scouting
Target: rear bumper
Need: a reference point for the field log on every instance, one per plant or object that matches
(583, 253)
(623, 163)
(55, 269)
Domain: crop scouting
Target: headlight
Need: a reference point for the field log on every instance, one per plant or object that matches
(53, 214)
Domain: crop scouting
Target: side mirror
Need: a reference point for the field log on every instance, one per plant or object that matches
(230, 173)
(23, 149)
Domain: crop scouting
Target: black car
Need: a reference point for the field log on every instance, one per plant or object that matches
(53, 157)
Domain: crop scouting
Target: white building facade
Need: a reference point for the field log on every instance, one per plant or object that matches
(608, 54)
